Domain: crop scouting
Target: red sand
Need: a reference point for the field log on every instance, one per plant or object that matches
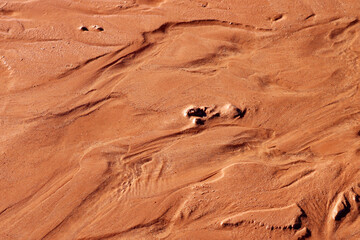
(179, 119)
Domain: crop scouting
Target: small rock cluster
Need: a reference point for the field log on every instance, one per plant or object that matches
(95, 27)
(200, 115)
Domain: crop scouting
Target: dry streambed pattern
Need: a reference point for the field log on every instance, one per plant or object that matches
(179, 120)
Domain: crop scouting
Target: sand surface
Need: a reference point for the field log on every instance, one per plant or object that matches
(189, 119)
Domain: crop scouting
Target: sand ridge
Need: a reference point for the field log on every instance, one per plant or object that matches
(144, 119)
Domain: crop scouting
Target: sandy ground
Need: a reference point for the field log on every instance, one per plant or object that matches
(190, 119)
